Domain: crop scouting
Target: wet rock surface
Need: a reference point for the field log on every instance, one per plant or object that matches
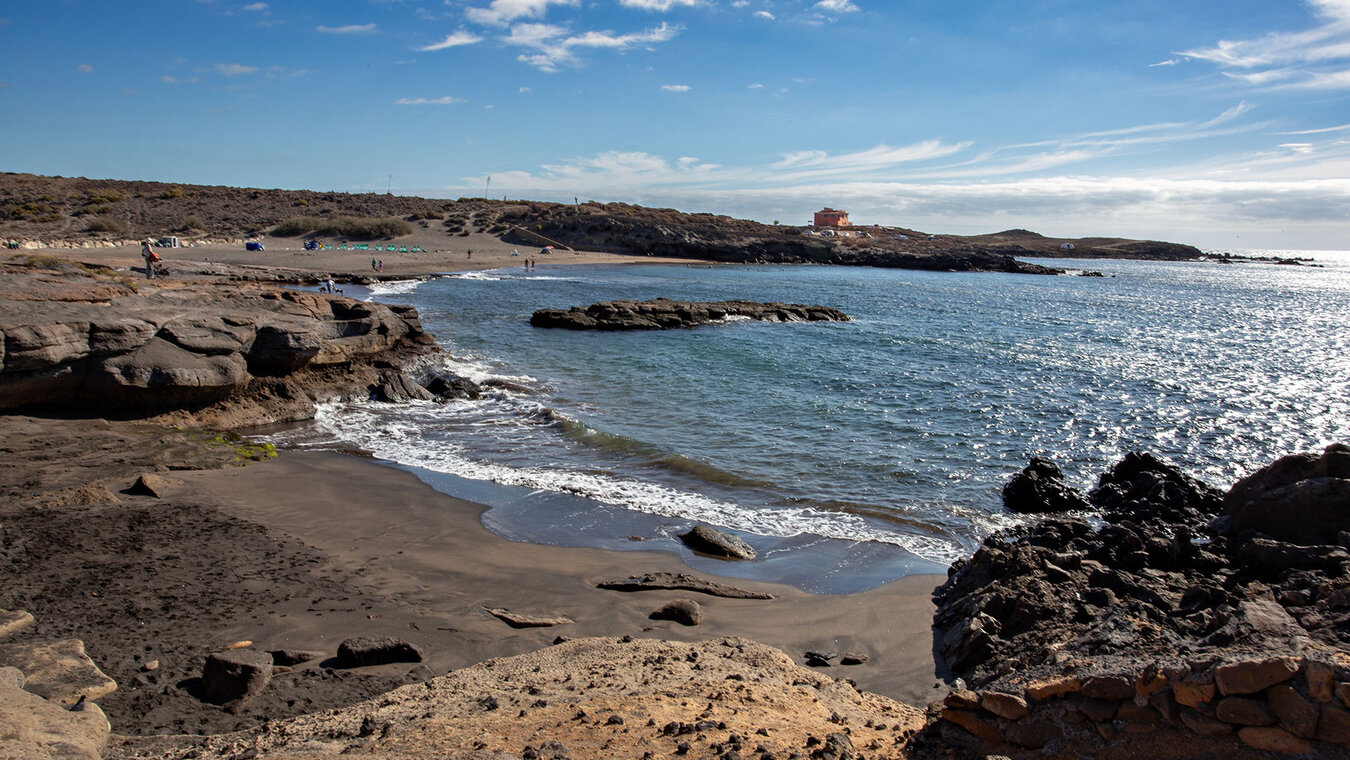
(665, 314)
(1185, 609)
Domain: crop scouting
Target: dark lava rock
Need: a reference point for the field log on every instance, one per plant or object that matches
(454, 387)
(397, 386)
(235, 675)
(361, 651)
(1040, 488)
(1164, 577)
(664, 314)
(682, 611)
(291, 657)
(717, 543)
(1303, 498)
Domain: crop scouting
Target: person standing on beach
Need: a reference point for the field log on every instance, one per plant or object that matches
(373, 262)
(148, 253)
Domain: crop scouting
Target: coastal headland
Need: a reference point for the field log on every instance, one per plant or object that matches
(141, 539)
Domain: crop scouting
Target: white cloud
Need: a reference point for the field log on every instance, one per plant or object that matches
(503, 12)
(234, 69)
(555, 47)
(764, 15)
(1313, 59)
(836, 6)
(657, 5)
(177, 80)
(256, 7)
(675, 87)
(1323, 130)
(85, 68)
(1168, 62)
(454, 39)
(442, 101)
(349, 29)
(756, 86)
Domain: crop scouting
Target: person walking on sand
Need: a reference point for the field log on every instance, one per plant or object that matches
(373, 262)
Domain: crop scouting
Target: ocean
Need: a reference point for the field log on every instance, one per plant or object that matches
(850, 454)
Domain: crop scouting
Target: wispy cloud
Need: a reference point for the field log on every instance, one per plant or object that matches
(85, 68)
(454, 39)
(234, 69)
(764, 15)
(348, 29)
(503, 12)
(657, 5)
(442, 101)
(1168, 62)
(1323, 130)
(836, 6)
(675, 87)
(1313, 59)
(256, 7)
(554, 46)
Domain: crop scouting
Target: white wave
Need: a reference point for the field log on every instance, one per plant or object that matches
(392, 287)
(397, 437)
(487, 275)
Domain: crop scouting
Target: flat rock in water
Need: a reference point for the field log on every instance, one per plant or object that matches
(680, 582)
(361, 651)
(717, 543)
(516, 620)
(665, 314)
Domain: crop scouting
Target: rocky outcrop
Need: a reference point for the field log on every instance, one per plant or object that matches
(1218, 621)
(717, 543)
(1040, 488)
(665, 314)
(120, 348)
(680, 582)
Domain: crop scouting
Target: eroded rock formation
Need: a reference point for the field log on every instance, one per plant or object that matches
(664, 314)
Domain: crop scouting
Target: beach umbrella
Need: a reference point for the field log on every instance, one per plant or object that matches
(546, 249)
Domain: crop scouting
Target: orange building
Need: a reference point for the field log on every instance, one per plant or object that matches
(831, 217)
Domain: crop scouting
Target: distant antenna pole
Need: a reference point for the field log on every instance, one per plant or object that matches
(486, 185)
(390, 189)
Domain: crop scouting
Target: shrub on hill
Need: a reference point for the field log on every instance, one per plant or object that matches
(344, 226)
(103, 224)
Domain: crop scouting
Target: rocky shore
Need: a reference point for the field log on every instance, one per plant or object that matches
(665, 314)
(1190, 623)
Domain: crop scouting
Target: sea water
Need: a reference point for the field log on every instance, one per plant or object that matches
(853, 453)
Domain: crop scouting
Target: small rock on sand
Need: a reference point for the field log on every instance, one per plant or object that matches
(682, 611)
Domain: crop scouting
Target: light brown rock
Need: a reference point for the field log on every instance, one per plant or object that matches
(1295, 713)
(1321, 680)
(1147, 683)
(1195, 689)
(1273, 739)
(1054, 686)
(1251, 676)
(60, 671)
(1004, 705)
(12, 622)
(962, 699)
(518, 620)
(34, 729)
(973, 724)
(150, 484)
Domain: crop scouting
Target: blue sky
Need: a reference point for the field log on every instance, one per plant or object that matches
(1224, 124)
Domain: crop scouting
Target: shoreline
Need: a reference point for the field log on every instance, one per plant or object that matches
(305, 550)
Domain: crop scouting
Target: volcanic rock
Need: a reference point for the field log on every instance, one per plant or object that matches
(682, 611)
(235, 675)
(664, 314)
(362, 651)
(717, 543)
(1040, 488)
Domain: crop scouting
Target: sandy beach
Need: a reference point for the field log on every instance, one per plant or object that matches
(308, 549)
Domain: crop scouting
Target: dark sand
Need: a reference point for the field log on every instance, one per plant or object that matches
(306, 550)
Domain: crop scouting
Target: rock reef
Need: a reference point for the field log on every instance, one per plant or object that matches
(665, 314)
(1220, 623)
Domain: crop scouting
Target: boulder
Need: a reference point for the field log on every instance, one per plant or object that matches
(1040, 487)
(517, 620)
(33, 728)
(682, 611)
(58, 671)
(397, 386)
(1302, 499)
(1251, 676)
(711, 541)
(363, 651)
(150, 484)
(455, 387)
(291, 657)
(235, 675)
